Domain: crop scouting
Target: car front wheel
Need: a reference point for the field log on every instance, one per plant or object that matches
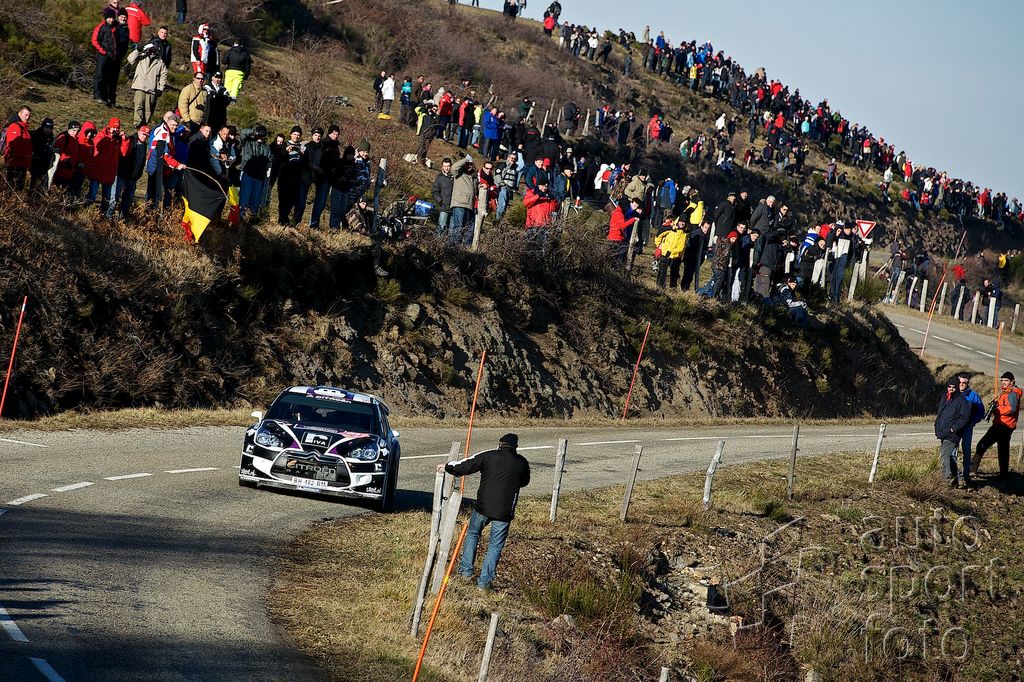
(387, 503)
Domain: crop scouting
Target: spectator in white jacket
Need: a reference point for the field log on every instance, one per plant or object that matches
(387, 91)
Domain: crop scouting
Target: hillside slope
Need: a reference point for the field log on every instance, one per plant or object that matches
(131, 316)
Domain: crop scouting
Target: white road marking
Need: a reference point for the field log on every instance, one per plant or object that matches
(189, 471)
(73, 486)
(10, 627)
(916, 331)
(537, 447)
(939, 338)
(1010, 362)
(987, 355)
(46, 669)
(960, 345)
(27, 498)
(22, 442)
(609, 442)
(125, 477)
(424, 456)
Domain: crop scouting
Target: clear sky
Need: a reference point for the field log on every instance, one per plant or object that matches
(941, 79)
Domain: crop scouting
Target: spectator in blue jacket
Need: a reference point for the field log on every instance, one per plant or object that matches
(952, 416)
(977, 406)
(493, 126)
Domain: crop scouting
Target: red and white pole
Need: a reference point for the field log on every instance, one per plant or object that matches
(640, 357)
(14, 349)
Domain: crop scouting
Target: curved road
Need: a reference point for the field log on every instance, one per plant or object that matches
(134, 555)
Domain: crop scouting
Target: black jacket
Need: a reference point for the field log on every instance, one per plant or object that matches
(725, 217)
(313, 172)
(952, 417)
(763, 217)
(502, 473)
(238, 59)
(132, 163)
(441, 192)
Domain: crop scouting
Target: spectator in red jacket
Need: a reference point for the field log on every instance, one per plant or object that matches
(18, 151)
(539, 205)
(620, 227)
(104, 39)
(102, 167)
(137, 20)
(66, 145)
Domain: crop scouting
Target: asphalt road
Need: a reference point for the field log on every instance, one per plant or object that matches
(976, 350)
(134, 555)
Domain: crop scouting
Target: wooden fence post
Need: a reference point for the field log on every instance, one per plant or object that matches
(792, 462)
(449, 517)
(1016, 312)
(485, 663)
(878, 451)
(435, 529)
(631, 482)
(563, 447)
(924, 294)
(709, 479)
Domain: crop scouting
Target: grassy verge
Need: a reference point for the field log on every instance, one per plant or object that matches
(637, 592)
(153, 418)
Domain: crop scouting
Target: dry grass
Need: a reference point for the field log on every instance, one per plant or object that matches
(589, 561)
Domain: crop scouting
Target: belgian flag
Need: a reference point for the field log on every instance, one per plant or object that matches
(204, 201)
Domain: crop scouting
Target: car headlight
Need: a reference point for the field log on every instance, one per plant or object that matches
(268, 440)
(365, 454)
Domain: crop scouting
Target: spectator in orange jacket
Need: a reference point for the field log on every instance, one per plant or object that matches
(137, 19)
(18, 151)
(539, 205)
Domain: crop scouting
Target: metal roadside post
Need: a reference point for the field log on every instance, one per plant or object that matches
(910, 292)
(924, 294)
(1020, 452)
(1016, 312)
(942, 297)
(974, 310)
(792, 462)
(664, 675)
(485, 663)
(878, 451)
(435, 531)
(853, 284)
(958, 308)
(563, 447)
(637, 453)
(991, 312)
(586, 124)
(709, 479)
(896, 290)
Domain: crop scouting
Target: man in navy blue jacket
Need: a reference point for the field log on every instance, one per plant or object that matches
(502, 473)
(952, 417)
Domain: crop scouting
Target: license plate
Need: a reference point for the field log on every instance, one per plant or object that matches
(308, 482)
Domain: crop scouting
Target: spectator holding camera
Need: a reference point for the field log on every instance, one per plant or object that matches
(192, 102)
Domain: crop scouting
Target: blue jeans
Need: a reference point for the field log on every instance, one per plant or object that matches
(965, 452)
(504, 197)
(443, 220)
(105, 200)
(461, 229)
(319, 203)
(124, 196)
(250, 194)
(499, 533)
(838, 272)
(339, 207)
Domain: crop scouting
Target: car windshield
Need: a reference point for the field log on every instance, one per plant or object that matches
(303, 409)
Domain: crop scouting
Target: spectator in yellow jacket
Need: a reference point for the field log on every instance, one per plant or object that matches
(670, 243)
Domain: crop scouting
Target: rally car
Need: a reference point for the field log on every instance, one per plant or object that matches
(323, 440)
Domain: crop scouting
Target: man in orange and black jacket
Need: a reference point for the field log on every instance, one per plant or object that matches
(1003, 412)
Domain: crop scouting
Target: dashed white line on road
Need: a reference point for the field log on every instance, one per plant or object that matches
(987, 355)
(10, 627)
(27, 498)
(1010, 362)
(189, 471)
(125, 477)
(73, 486)
(22, 442)
(609, 442)
(425, 456)
(46, 669)
(939, 338)
(960, 345)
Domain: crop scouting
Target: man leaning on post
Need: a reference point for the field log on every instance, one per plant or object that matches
(502, 473)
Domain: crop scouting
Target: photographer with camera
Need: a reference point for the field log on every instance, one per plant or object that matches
(1003, 412)
(192, 103)
(101, 169)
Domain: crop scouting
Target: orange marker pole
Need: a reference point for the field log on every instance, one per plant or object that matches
(472, 413)
(640, 357)
(437, 604)
(14, 349)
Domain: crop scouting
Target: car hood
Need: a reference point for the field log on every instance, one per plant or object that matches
(321, 439)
